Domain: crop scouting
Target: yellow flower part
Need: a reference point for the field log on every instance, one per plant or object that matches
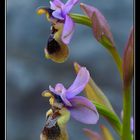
(46, 93)
(64, 117)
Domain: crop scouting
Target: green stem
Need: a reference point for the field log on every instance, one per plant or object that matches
(117, 60)
(126, 132)
(84, 20)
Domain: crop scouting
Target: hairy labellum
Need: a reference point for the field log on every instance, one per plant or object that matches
(52, 46)
(54, 130)
(52, 133)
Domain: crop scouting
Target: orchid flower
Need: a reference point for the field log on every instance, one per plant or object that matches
(80, 108)
(62, 29)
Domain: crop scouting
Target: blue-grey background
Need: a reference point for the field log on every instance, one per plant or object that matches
(29, 73)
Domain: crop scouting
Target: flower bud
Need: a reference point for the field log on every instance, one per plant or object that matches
(128, 60)
(101, 29)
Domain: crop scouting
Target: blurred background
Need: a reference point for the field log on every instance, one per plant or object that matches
(29, 73)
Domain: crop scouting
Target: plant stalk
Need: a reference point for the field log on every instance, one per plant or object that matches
(126, 132)
(84, 20)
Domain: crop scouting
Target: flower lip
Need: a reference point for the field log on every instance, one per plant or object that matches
(52, 45)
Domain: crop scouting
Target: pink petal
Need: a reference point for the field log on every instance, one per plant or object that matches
(59, 88)
(92, 135)
(60, 91)
(79, 83)
(69, 5)
(99, 23)
(58, 14)
(83, 110)
(56, 4)
(65, 100)
(67, 30)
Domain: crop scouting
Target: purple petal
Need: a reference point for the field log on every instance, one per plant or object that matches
(65, 100)
(53, 6)
(58, 14)
(79, 83)
(56, 4)
(59, 88)
(69, 5)
(60, 91)
(83, 110)
(67, 30)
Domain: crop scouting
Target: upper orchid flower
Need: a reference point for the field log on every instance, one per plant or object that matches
(80, 107)
(62, 29)
(61, 12)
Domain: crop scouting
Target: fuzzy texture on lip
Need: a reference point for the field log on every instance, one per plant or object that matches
(80, 107)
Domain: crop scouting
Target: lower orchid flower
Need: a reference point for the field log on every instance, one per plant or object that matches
(80, 108)
(62, 29)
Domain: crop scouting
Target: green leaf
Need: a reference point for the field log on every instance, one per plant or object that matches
(110, 116)
(81, 19)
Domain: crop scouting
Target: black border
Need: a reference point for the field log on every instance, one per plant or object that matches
(2, 68)
(137, 72)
